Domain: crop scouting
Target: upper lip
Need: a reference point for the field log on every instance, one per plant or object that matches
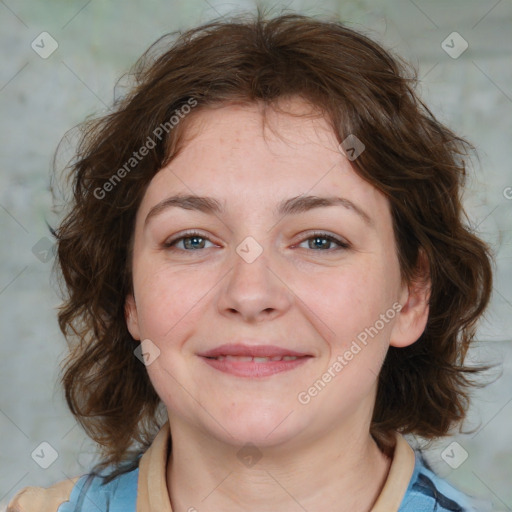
(238, 349)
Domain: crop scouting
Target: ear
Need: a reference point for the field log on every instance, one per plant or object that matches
(412, 318)
(130, 315)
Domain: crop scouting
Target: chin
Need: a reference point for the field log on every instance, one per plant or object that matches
(263, 426)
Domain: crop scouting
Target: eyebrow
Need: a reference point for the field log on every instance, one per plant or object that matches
(292, 206)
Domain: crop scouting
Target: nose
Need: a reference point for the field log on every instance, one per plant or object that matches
(255, 290)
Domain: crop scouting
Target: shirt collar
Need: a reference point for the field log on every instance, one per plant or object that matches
(153, 495)
(399, 476)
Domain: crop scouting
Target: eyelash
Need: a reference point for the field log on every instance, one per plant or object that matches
(318, 234)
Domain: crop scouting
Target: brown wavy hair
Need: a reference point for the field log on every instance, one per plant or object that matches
(361, 89)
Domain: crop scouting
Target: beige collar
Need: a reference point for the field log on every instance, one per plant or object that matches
(153, 496)
(399, 476)
(152, 493)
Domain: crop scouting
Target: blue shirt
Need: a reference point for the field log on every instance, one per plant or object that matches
(426, 492)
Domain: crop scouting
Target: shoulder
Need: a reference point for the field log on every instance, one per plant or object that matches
(86, 493)
(428, 492)
(42, 499)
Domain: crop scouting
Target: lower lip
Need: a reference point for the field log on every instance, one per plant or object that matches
(253, 369)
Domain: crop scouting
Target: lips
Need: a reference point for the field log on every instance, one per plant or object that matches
(253, 360)
(252, 351)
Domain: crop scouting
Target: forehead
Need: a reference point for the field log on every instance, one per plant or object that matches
(291, 122)
(253, 157)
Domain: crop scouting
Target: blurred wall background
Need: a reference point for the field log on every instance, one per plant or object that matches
(50, 82)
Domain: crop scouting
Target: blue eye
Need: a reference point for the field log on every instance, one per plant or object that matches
(319, 239)
(194, 241)
(191, 241)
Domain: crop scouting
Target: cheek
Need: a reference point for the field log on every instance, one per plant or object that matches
(353, 311)
(357, 338)
(167, 298)
(350, 295)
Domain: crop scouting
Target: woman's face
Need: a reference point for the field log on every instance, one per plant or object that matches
(271, 266)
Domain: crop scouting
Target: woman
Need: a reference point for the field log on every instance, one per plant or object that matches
(267, 265)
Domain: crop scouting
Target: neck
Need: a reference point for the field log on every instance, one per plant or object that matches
(324, 473)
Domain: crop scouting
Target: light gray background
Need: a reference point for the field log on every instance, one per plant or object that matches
(98, 41)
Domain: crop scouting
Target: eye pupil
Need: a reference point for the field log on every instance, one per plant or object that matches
(324, 241)
(192, 240)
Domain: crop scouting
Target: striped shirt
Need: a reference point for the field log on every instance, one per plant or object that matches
(411, 486)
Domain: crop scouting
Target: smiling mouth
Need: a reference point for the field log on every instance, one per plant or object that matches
(255, 359)
(255, 367)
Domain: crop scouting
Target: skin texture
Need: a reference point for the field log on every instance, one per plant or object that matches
(305, 295)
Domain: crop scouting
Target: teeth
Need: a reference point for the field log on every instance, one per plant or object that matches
(256, 359)
(238, 358)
